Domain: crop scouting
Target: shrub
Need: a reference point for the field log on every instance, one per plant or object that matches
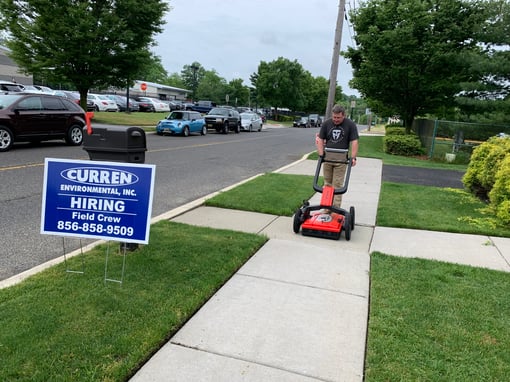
(395, 130)
(406, 145)
(484, 164)
(499, 196)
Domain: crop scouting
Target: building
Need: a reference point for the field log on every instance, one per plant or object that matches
(9, 70)
(164, 92)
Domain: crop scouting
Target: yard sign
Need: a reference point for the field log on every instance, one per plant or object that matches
(101, 200)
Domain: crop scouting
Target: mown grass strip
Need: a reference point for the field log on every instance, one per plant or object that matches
(433, 321)
(58, 326)
(272, 193)
(436, 209)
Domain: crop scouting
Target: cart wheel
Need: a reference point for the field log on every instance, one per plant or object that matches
(347, 226)
(352, 213)
(298, 216)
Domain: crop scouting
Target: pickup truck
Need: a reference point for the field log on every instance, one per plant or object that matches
(203, 106)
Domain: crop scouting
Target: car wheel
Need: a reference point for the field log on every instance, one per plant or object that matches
(204, 130)
(260, 128)
(237, 129)
(225, 128)
(74, 135)
(250, 129)
(185, 131)
(96, 108)
(6, 138)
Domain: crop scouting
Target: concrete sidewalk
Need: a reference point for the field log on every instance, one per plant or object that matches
(298, 309)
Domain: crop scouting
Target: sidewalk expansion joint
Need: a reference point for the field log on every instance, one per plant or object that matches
(301, 285)
(224, 355)
(268, 224)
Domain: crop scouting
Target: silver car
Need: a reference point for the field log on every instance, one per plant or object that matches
(251, 122)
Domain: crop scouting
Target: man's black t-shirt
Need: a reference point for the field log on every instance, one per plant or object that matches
(338, 136)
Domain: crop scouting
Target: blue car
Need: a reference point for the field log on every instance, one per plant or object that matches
(183, 123)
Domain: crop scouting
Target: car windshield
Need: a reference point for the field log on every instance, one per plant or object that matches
(7, 100)
(175, 115)
(219, 111)
(246, 116)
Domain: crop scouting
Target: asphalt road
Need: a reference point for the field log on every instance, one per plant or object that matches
(186, 169)
(423, 176)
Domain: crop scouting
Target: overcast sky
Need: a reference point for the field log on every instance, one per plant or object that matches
(233, 36)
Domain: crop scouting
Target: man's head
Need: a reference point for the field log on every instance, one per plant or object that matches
(338, 114)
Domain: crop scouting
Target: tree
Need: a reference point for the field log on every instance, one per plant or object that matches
(212, 87)
(191, 76)
(317, 94)
(153, 71)
(238, 93)
(90, 43)
(410, 54)
(486, 96)
(281, 83)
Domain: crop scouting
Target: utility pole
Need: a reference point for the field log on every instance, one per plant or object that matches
(336, 58)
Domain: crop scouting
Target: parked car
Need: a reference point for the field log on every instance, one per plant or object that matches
(122, 102)
(44, 89)
(152, 105)
(28, 117)
(31, 89)
(8, 86)
(173, 105)
(102, 102)
(251, 122)
(74, 97)
(182, 122)
(301, 122)
(314, 120)
(223, 119)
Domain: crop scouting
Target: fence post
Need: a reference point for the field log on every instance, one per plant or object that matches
(431, 152)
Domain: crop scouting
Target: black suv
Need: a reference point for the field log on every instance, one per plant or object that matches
(223, 119)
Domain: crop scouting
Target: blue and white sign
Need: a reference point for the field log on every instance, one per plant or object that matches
(93, 199)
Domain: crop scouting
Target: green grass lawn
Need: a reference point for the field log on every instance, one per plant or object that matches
(58, 326)
(141, 119)
(276, 194)
(432, 321)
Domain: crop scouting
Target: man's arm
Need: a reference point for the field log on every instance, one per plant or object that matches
(354, 151)
(319, 143)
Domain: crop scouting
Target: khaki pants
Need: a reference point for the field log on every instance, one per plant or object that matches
(334, 174)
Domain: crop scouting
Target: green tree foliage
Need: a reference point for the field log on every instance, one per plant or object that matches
(191, 76)
(153, 71)
(237, 92)
(317, 94)
(212, 87)
(281, 83)
(175, 80)
(410, 54)
(90, 43)
(486, 96)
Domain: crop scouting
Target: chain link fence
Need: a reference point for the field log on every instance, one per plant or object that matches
(454, 141)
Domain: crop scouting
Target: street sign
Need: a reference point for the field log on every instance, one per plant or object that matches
(94, 199)
(143, 86)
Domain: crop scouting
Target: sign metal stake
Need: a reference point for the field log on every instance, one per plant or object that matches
(122, 252)
(82, 256)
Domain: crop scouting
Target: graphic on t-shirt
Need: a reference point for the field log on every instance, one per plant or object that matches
(337, 134)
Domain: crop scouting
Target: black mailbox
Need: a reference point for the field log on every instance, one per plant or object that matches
(116, 143)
